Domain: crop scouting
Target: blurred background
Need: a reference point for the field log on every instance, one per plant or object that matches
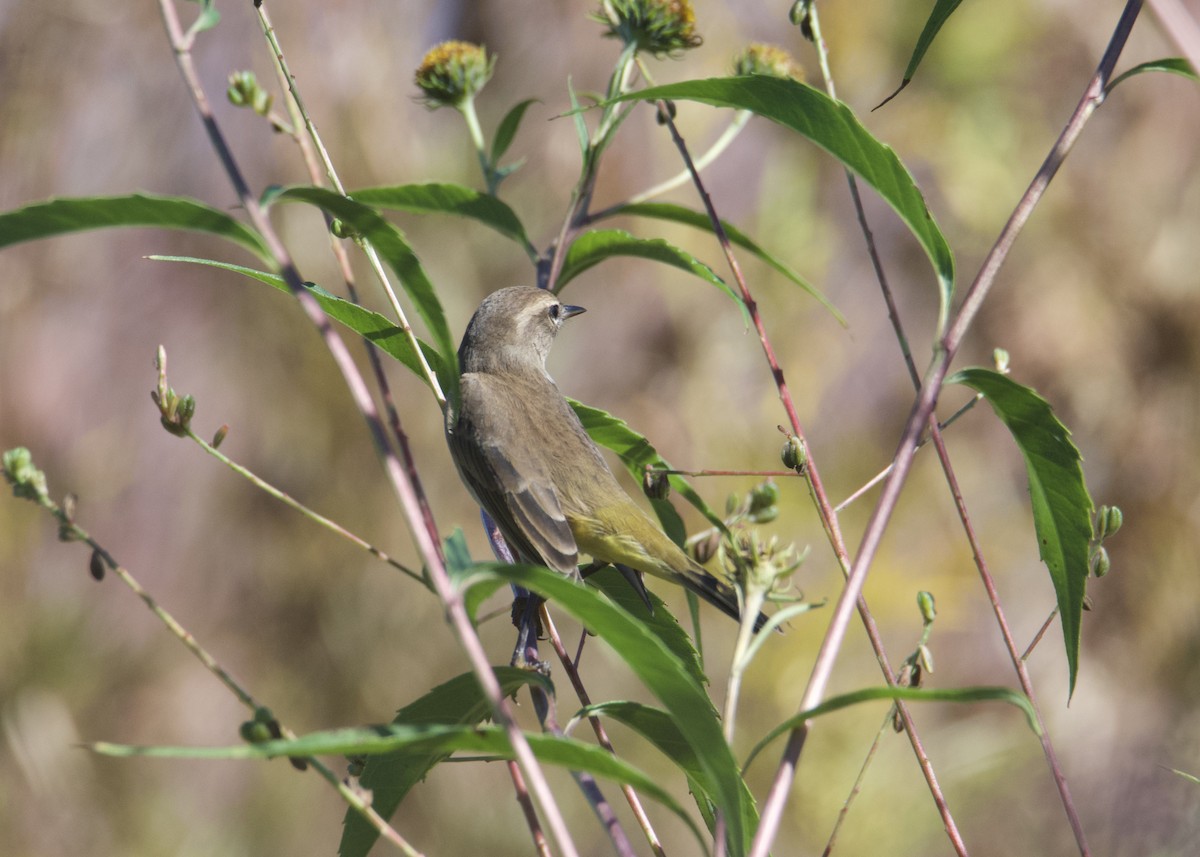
(1098, 306)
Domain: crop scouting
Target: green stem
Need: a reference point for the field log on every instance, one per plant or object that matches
(288, 500)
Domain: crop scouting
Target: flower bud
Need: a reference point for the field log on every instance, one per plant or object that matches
(801, 16)
(927, 606)
(219, 437)
(764, 495)
(1101, 563)
(96, 566)
(767, 60)
(342, 229)
(659, 27)
(26, 480)
(453, 73)
(793, 454)
(703, 550)
(656, 484)
(1112, 520)
(1000, 356)
(255, 732)
(187, 410)
(244, 91)
(924, 660)
(765, 516)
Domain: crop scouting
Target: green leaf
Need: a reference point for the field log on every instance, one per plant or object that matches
(62, 216)
(940, 14)
(834, 127)
(507, 130)
(391, 776)
(1172, 65)
(370, 325)
(581, 130)
(390, 243)
(698, 219)
(208, 18)
(446, 198)
(1062, 507)
(661, 622)
(1190, 777)
(637, 453)
(657, 727)
(462, 571)
(593, 247)
(425, 741)
(912, 694)
(664, 675)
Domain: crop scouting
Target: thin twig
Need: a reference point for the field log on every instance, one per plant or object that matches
(71, 531)
(830, 522)
(943, 455)
(543, 704)
(289, 82)
(571, 667)
(1037, 638)
(292, 502)
(918, 418)
(426, 538)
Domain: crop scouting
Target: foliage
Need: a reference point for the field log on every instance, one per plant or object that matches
(693, 735)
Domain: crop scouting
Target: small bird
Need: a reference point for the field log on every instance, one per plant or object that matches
(526, 458)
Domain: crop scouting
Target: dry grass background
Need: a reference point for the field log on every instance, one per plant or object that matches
(1098, 306)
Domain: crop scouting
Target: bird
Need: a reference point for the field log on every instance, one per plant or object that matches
(526, 458)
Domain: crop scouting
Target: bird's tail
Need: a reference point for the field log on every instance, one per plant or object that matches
(715, 591)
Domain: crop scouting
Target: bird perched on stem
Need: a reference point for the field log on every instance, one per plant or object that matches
(526, 458)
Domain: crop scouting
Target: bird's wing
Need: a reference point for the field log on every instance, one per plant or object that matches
(508, 478)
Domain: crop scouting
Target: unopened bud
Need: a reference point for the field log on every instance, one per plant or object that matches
(769, 61)
(219, 437)
(763, 496)
(656, 484)
(1100, 562)
(924, 660)
(793, 455)
(453, 73)
(928, 607)
(1112, 520)
(187, 410)
(1000, 356)
(659, 27)
(96, 566)
(704, 549)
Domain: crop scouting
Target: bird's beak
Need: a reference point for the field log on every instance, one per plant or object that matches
(568, 311)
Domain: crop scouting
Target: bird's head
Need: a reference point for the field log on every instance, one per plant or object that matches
(513, 330)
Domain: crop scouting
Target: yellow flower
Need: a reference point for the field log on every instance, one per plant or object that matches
(453, 72)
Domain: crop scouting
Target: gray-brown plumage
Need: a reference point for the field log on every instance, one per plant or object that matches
(528, 461)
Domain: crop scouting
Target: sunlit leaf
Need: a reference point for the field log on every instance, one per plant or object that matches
(1171, 65)
(1062, 507)
(592, 248)
(506, 131)
(391, 245)
(370, 325)
(680, 214)
(834, 127)
(664, 675)
(392, 775)
(909, 694)
(446, 198)
(942, 11)
(80, 214)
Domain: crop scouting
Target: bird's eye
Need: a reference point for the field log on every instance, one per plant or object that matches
(555, 311)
